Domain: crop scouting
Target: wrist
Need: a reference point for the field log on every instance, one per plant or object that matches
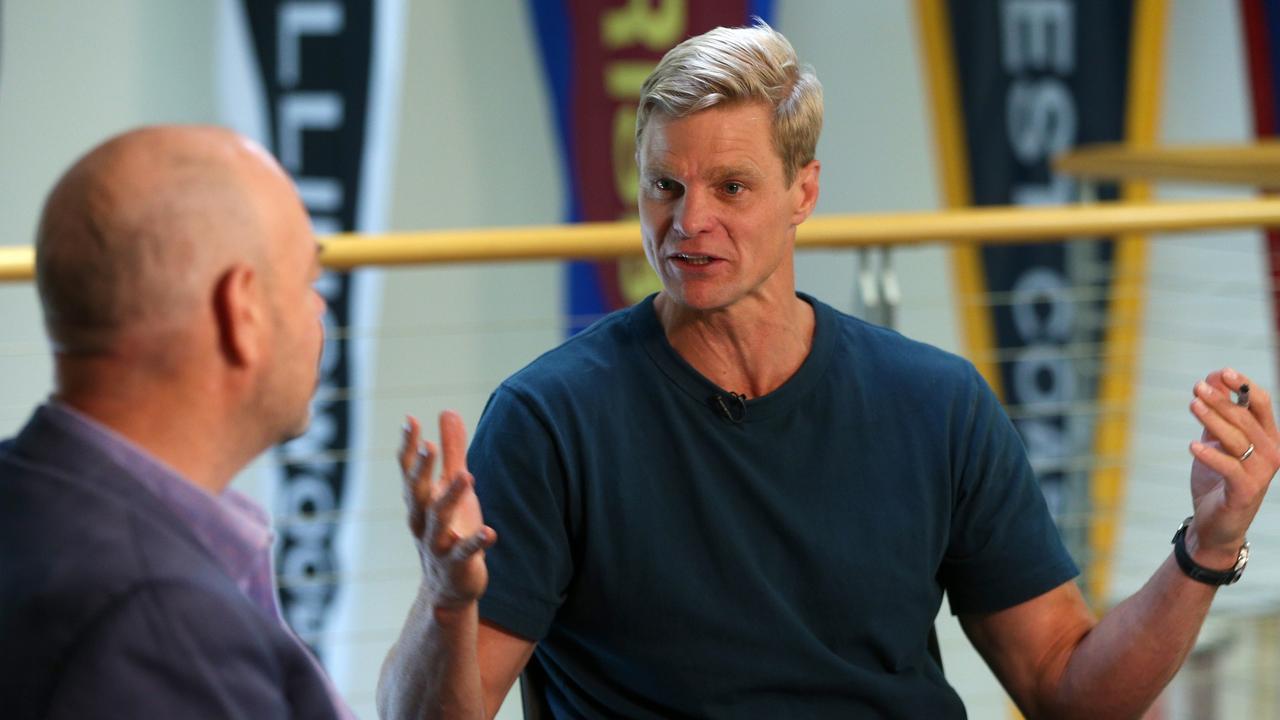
(454, 615)
(1197, 567)
(1219, 557)
(445, 611)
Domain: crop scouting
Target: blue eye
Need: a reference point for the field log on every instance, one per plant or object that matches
(732, 188)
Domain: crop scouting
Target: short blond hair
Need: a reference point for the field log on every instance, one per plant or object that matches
(742, 64)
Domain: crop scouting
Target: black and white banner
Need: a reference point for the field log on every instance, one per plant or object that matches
(315, 81)
(1037, 79)
(1052, 325)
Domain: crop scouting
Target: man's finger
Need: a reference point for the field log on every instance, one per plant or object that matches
(1208, 413)
(1245, 428)
(453, 441)
(1261, 409)
(422, 489)
(1217, 459)
(444, 535)
(481, 540)
(450, 494)
(1241, 489)
(1217, 380)
(408, 451)
(1259, 400)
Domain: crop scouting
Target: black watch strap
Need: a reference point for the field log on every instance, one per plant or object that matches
(1203, 574)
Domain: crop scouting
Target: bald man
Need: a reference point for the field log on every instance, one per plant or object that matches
(174, 266)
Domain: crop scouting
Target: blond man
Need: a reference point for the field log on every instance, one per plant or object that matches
(733, 501)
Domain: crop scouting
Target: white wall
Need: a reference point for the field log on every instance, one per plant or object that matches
(476, 148)
(1208, 306)
(72, 73)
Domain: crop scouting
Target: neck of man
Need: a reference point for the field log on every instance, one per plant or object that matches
(173, 420)
(751, 347)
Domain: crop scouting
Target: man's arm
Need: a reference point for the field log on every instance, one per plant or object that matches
(1055, 660)
(447, 664)
(1051, 655)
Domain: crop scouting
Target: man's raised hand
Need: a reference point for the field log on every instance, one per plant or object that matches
(444, 514)
(1235, 460)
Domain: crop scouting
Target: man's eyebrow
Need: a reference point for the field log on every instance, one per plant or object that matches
(718, 173)
(732, 171)
(655, 170)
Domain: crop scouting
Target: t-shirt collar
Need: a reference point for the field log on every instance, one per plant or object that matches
(648, 329)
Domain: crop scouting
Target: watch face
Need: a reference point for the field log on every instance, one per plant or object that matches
(1241, 562)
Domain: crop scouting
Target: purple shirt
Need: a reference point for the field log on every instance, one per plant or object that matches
(233, 528)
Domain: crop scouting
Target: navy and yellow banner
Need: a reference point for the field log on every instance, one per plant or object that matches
(597, 54)
(1051, 326)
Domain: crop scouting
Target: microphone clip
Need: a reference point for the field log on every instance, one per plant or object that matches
(733, 408)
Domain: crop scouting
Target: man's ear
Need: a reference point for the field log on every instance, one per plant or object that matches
(805, 188)
(237, 301)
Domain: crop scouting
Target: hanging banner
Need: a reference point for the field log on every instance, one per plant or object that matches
(597, 54)
(314, 82)
(1260, 21)
(1051, 326)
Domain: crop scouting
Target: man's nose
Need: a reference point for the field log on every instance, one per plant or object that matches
(694, 213)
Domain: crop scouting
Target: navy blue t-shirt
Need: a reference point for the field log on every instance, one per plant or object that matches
(670, 562)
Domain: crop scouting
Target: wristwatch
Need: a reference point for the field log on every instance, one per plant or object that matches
(1203, 574)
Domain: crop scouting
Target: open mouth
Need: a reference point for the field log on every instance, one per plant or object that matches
(692, 259)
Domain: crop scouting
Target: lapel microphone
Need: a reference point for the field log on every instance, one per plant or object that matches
(732, 408)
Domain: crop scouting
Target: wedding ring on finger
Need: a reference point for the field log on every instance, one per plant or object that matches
(1248, 451)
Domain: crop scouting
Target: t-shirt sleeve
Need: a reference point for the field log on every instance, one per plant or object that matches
(522, 485)
(1003, 547)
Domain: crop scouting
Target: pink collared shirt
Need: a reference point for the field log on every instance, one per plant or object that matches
(232, 527)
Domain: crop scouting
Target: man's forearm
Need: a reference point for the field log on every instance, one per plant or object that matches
(432, 670)
(1120, 667)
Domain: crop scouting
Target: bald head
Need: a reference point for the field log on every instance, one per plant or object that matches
(135, 234)
(176, 269)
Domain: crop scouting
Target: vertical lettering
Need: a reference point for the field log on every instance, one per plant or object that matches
(312, 477)
(1038, 35)
(1043, 375)
(625, 174)
(302, 111)
(624, 78)
(1041, 119)
(297, 19)
(640, 22)
(320, 194)
(1042, 287)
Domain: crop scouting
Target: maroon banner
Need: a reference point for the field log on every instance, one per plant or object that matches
(1260, 20)
(597, 55)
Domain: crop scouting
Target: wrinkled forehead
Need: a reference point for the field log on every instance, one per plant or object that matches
(735, 133)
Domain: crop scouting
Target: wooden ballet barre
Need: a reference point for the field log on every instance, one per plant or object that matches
(985, 225)
(17, 262)
(618, 239)
(1256, 164)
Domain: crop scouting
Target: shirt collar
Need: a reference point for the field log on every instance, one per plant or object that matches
(234, 529)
